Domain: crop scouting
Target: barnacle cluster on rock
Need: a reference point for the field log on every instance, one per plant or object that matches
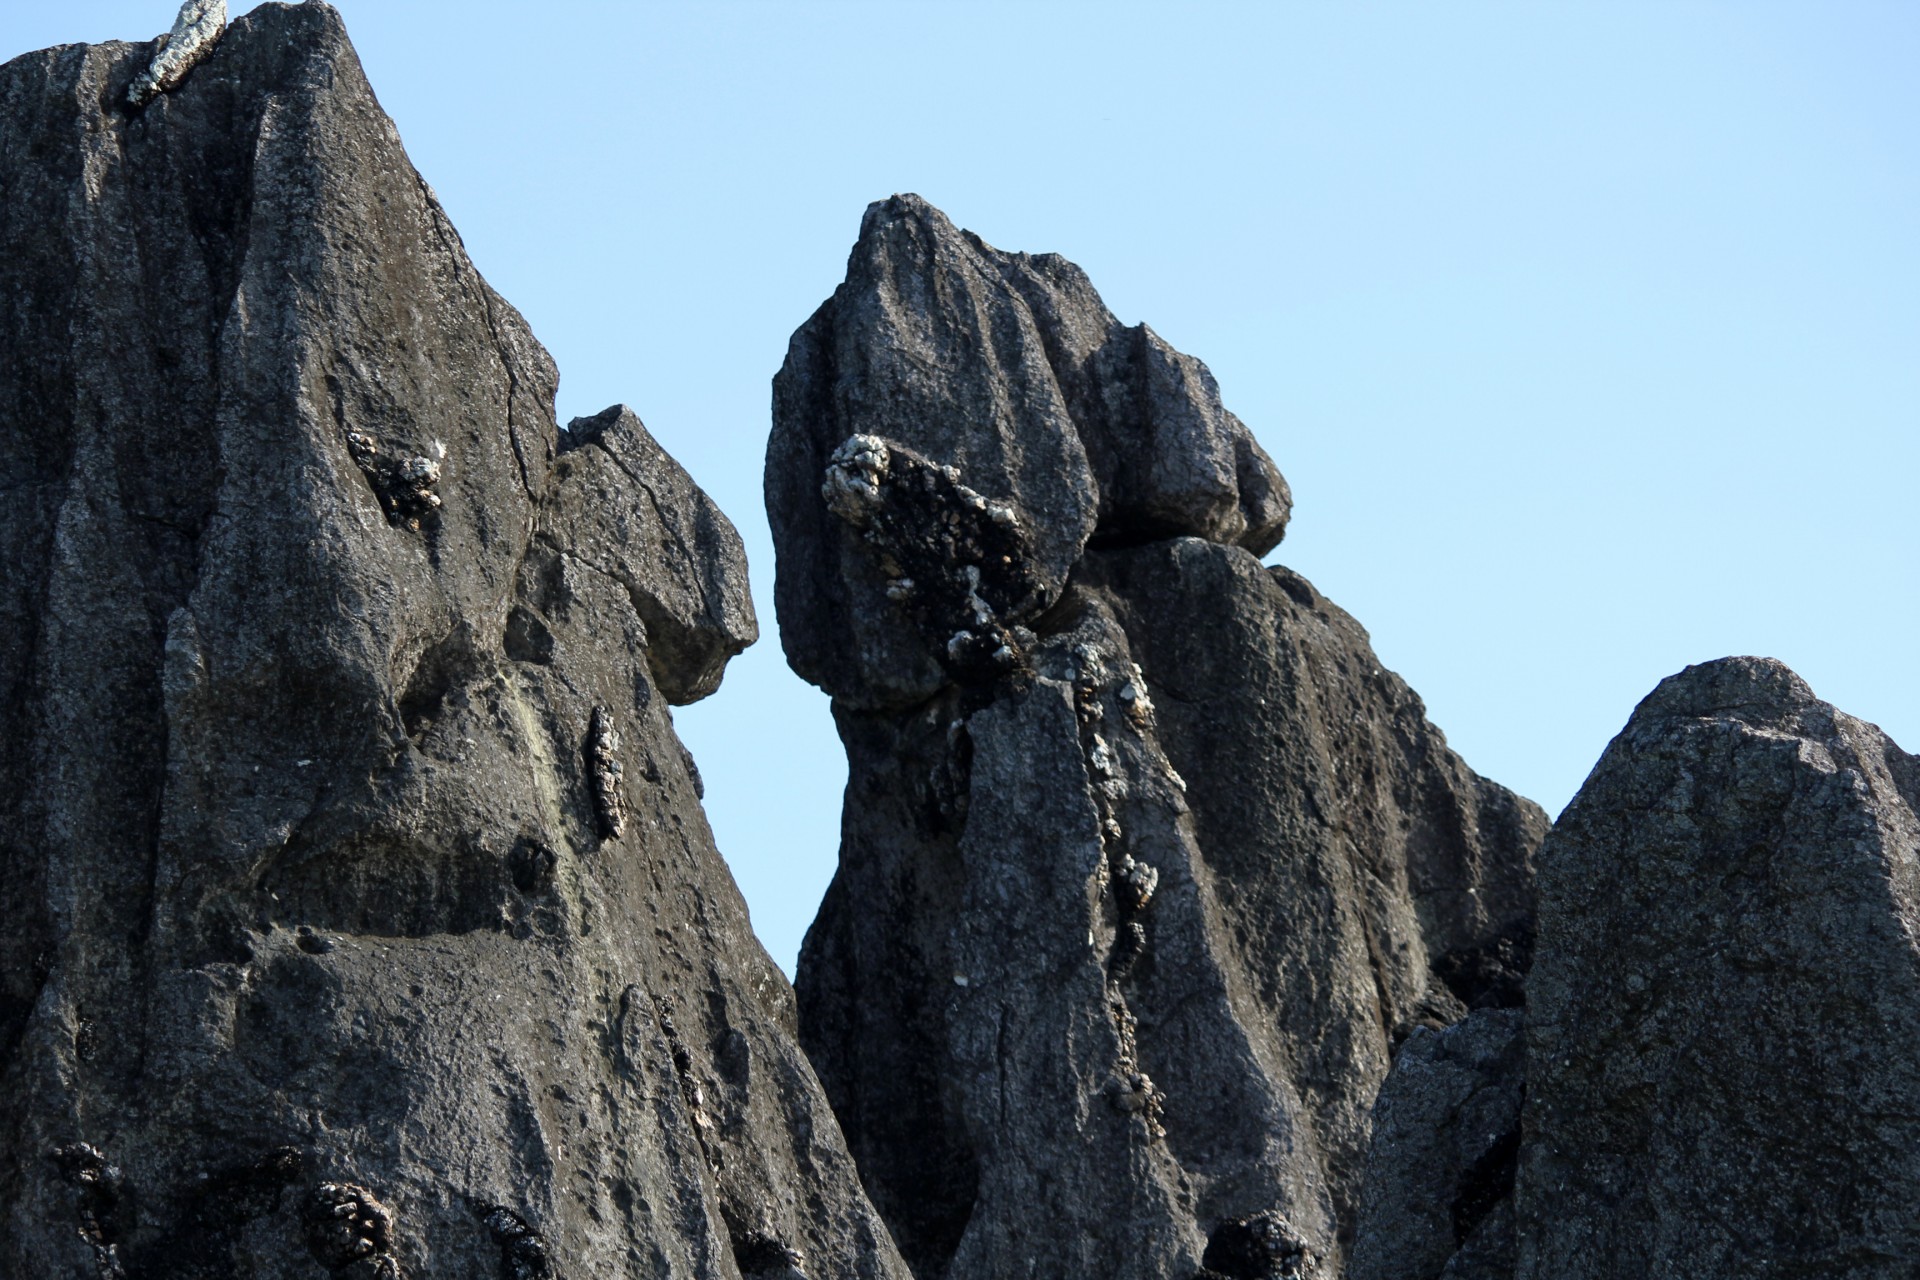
(196, 29)
(523, 1253)
(605, 774)
(348, 1230)
(954, 560)
(1256, 1247)
(403, 485)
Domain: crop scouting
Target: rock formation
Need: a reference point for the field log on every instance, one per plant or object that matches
(1714, 1053)
(1147, 863)
(361, 917)
(362, 920)
(1720, 1075)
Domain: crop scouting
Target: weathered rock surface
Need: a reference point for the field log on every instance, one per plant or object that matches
(1720, 1070)
(1147, 863)
(1438, 1195)
(361, 917)
(1008, 368)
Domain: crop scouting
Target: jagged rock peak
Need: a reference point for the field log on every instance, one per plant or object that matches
(361, 916)
(1720, 1076)
(1007, 369)
(1147, 865)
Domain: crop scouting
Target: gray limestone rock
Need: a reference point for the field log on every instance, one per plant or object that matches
(1720, 1071)
(627, 509)
(1147, 864)
(1437, 1198)
(361, 915)
(1008, 368)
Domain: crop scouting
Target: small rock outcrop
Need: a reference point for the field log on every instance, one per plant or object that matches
(1438, 1195)
(1720, 1072)
(361, 917)
(1147, 863)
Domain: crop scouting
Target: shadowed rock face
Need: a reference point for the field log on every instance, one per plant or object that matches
(1438, 1196)
(361, 916)
(1720, 1070)
(1147, 863)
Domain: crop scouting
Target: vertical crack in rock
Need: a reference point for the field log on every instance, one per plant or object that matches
(1210, 911)
(691, 1090)
(1437, 1199)
(345, 901)
(1129, 882)
(98, 1185)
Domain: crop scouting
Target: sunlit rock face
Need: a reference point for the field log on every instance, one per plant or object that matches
(1720, 1075)
(361, 917)
(1147, 864)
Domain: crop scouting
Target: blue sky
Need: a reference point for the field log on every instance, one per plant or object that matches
(1588, 333)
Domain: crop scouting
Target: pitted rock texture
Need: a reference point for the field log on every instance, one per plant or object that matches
(1720, 1075)
(1438, 1195)
(1008, 368)
(322, 655)
(1128, 922)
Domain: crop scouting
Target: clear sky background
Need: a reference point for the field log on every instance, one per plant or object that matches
(1587, 332)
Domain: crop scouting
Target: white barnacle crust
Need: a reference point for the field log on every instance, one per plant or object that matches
(195, 31)
(420, 471)
(1133, 697)
(1093, 663)
(979, 610)
(852, 487)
